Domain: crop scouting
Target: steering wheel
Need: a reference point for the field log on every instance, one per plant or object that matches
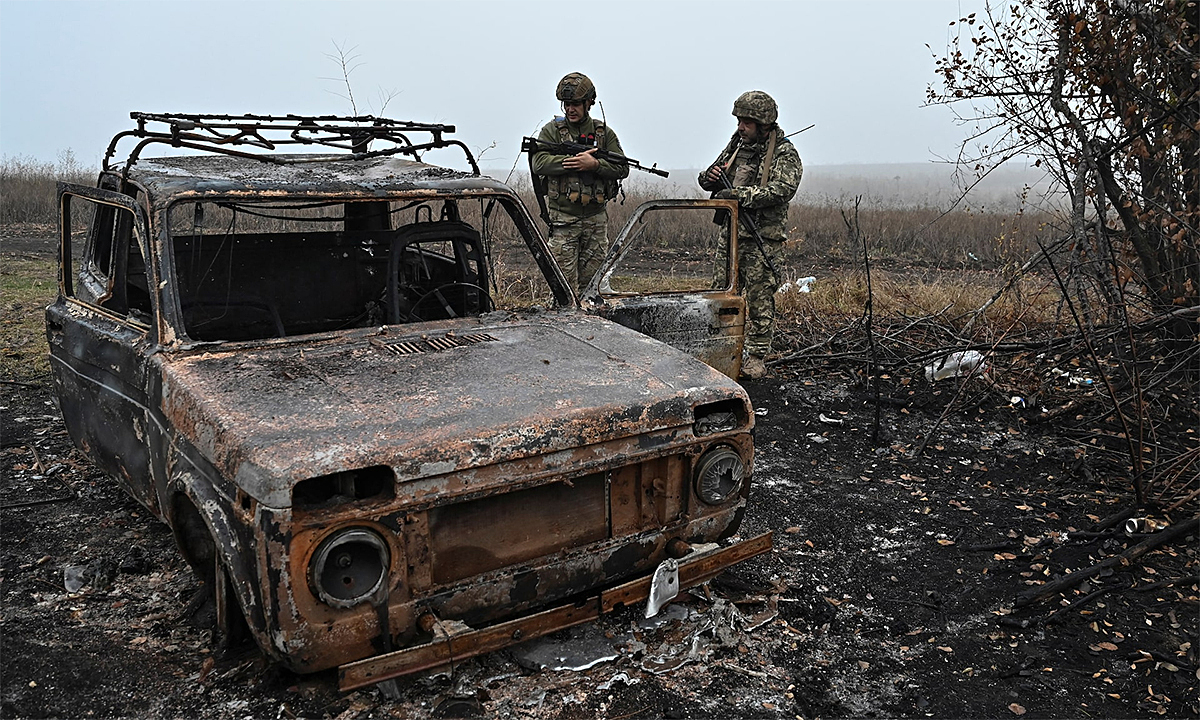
(436, 299)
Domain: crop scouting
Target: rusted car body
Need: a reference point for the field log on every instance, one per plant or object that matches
(296, 362)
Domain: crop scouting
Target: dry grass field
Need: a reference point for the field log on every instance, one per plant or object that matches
(27, 286)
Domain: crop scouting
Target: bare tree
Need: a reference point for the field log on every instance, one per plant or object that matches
(348, 60)
(1103, 93)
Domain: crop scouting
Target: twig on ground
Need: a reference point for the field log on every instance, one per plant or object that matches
(1057, 412)
(21, 384)
(1139, 655)
(1058, 615)
(37, 459)
(1171, 534)
(992, 548)
(1115, 519)
(1180, 503)
(738, 668)
(1166, 583)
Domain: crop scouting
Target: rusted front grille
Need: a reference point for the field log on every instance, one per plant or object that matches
(481, 535)
(478, 536)
(431, 344)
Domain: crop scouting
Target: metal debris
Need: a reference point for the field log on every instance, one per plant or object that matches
(664, 586)
(583, 647)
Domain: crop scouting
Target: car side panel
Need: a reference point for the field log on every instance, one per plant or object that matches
(99, 368)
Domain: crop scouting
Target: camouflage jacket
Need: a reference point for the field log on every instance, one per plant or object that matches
(575, 193)
(767, 204)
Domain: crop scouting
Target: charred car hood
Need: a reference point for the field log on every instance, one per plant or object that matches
(429, 403)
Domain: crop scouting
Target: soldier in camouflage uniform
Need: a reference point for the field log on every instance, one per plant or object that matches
(578, 186)
(764, 169)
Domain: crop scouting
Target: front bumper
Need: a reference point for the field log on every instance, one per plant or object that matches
(693, 570)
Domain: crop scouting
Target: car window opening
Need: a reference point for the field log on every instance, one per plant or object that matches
(258, 270)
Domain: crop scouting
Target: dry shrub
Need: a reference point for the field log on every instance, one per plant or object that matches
(924, 235)
(1032, 301)
(28, 191)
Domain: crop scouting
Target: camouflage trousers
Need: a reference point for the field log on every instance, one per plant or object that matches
(758, 285)
(579, 245)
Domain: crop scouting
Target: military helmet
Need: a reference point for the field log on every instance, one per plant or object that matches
(575, 87)
(756, 105)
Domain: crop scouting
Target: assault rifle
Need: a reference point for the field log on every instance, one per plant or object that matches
(532, 145)
(745, 219)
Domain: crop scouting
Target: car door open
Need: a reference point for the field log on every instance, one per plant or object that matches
(672, 275)
(100, 332)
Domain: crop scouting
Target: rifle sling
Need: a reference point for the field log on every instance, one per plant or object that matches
(769, 157)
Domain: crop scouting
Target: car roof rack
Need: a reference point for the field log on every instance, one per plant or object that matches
(219, 133)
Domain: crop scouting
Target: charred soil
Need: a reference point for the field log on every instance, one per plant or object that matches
(893, 590)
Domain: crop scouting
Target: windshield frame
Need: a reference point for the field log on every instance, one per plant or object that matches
(171, 311)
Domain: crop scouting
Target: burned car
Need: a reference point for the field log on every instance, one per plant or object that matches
(380, 425)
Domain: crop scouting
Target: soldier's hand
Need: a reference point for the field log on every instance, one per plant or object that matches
(714, 173)
(583, 162)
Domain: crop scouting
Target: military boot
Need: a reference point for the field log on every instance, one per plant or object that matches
(753, 367)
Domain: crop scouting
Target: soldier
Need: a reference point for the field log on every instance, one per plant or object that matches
(764, 169)
(578, 186)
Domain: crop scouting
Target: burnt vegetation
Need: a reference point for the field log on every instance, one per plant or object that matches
(979, 449)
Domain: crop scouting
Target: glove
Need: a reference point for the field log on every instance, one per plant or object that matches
(726, 194)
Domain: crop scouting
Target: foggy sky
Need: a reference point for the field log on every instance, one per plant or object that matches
(666, 72)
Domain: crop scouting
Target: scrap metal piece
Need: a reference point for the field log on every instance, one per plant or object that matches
(582, 649)
(695, 569)
(664, 586)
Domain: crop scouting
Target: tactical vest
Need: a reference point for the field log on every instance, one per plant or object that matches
(751, 165)
(583, 188)
(743, 167)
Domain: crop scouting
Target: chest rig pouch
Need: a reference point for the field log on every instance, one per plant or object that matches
(741, 167)
(744, 167)
(583, 188)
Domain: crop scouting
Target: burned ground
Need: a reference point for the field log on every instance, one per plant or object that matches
(891, 592)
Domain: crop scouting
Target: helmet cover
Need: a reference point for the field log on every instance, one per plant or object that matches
(575, 87)
(756, 105)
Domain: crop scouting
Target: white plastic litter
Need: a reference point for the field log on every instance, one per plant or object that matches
(956, 364)
(830, 421)
(74, 578)
(798, 285)
(1073, 380)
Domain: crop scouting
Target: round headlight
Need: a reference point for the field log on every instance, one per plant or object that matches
(719, 475)
(349, 567)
